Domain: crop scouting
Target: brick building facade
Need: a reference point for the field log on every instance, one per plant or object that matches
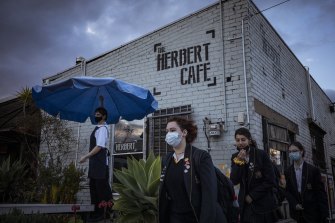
(225, 67)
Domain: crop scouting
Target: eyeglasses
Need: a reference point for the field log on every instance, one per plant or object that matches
(293, 151)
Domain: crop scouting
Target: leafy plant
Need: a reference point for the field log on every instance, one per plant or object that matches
(138, 189)
(70, 183)
(12, 180)
(57, 184)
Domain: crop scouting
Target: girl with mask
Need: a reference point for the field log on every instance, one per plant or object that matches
(305, 191)
(252, 169)
(188, 193)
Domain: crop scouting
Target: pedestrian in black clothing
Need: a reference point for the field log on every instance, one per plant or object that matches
(188, 193)
(253, 170)
(98, 171)
(279, 191)
(305, 191)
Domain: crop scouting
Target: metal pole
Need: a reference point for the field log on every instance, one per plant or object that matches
(111, 146)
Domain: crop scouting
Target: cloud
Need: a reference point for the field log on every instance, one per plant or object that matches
(40, 38)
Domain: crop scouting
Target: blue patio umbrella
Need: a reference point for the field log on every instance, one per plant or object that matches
(77, 98)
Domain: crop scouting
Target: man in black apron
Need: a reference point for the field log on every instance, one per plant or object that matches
(98, 165)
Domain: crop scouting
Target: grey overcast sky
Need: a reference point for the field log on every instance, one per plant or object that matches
(39, 38)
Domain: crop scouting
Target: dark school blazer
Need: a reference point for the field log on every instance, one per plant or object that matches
(201, 187)
(256, 179)
(313, 196)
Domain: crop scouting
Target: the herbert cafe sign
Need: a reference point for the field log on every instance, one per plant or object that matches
(127, 147)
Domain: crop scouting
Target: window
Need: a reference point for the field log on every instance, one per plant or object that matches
(276, 142)
(157, 126)
(318, 152)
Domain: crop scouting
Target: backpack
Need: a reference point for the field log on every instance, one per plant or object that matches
(226, 193)
(227, 197)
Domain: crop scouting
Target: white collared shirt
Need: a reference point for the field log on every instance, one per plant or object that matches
(177, 158)
(101, 136)
(298, 175)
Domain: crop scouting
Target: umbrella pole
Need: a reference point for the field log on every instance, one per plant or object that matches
(111, 160)
(77, 150)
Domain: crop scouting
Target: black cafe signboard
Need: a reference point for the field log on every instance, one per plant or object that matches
(127, 147)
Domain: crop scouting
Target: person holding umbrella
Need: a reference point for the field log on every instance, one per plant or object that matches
(98, 164)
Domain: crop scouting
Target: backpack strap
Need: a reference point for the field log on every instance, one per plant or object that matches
(196, 161)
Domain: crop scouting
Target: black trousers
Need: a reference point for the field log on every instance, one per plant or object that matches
(100, 191)
(182, 218)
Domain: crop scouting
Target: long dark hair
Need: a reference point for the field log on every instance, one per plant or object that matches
(188, 125)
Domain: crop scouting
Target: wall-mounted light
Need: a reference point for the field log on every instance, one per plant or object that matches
(79, 60)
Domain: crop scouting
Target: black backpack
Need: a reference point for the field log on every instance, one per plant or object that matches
(226, 193)
(227, 197)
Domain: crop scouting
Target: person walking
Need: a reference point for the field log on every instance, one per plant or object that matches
(188, 188)
(252, 169)
(305, 191)
(98, 172)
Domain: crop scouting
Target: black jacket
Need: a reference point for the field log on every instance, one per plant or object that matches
(256, 179)
(313, 195)
(201, 187)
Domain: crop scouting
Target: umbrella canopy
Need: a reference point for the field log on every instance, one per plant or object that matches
(77, 98)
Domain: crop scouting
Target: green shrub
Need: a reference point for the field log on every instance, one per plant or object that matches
(12, 181)
(138, 189)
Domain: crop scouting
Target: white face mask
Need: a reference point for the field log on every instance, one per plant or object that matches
(173, 139)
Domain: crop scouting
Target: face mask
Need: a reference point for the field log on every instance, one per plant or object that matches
(173, 139)
(97, 119)
(295, 156)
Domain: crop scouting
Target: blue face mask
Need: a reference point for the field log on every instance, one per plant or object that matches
(173, 139)
(295, 156)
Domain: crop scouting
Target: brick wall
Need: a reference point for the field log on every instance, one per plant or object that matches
(275, 77)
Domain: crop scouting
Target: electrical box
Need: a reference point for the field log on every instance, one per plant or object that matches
(240, 118)
(214, 129)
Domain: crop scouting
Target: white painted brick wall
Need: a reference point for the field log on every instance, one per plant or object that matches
(136, 63)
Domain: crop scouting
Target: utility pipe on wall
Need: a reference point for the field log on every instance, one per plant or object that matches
(83, 68)
(223, 67)
(310, 94)
(245, 75)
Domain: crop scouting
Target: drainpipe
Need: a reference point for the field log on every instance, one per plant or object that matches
(310, 94)
(83, 64)
(223, 68)
(330, 212)
(245, 74)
